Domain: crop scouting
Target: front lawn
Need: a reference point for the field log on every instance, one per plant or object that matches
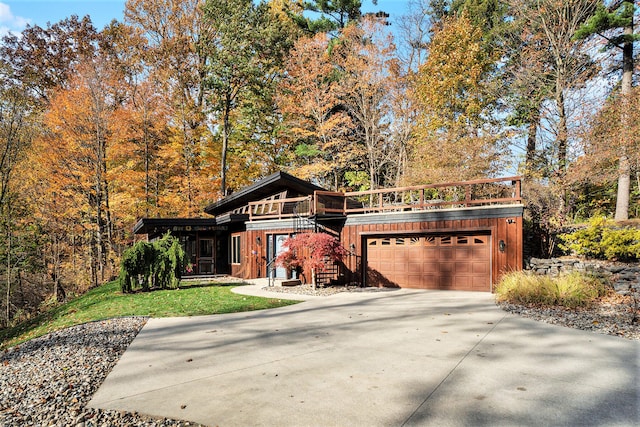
(108, 301)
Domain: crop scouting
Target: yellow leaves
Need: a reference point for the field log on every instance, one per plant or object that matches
(454, 70)
(451, 139)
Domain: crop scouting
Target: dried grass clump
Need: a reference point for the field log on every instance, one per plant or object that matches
(571, 290)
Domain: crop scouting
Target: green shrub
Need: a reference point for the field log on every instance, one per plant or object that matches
(621, 244)
(147, 265)
(568, 290)
(603, 240)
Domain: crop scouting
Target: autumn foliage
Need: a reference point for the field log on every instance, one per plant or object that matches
(185, 101)
(312, 252)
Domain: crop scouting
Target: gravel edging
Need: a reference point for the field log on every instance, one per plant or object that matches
(48, 381)
(611, 315)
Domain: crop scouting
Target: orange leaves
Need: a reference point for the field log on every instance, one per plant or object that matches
(336, 101)
(307, 96)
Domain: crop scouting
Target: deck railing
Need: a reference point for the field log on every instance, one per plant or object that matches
(437, 196)
(461, 194)
(281, 208)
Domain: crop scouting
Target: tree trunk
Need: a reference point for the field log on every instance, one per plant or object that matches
(624, 167)
(226, 130)
(532, 136)
(562, 141)
(562, 133)
(8, 274)
(147, 176)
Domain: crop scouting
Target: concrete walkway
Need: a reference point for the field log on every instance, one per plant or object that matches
(401, 358)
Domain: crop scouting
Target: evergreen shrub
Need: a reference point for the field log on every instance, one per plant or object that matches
(152, 265)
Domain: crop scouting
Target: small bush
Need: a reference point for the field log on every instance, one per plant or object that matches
(157, 264)
(603, 240)
(569, 290)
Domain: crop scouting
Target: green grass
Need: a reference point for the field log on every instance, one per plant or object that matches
(567, 290)
(107, 302)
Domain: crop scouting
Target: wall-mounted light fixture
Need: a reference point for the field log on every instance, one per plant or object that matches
(511, 221)
(258, 240)
(502, 245)
(352, 248)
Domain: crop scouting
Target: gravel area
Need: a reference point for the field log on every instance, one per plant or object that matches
(48, 381)
(612, 315)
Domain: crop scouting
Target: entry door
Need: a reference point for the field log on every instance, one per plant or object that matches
(275, 246)
(207, 255)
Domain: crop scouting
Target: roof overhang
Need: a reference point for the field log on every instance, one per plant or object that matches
(155, 226)
(261, 189)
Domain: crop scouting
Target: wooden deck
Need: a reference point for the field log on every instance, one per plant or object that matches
(463, 194)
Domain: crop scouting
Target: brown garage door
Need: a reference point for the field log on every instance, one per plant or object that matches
(442, 261)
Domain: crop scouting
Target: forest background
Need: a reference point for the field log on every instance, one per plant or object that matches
(183, 102)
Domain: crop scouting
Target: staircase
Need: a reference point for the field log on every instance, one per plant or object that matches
(329, 276)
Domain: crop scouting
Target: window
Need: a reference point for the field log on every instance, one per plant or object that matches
(206, 248)
(235, 249)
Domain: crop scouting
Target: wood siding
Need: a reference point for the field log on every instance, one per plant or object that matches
(254, 253)
(500, 224)
(507, 229)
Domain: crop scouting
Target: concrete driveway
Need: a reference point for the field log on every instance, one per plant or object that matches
(399, 358)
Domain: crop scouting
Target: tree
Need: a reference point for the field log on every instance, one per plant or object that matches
(17, 126)
(245, 50)
(312, 252)
(365, 60)
(33, 65)
(456, 136)
(308, 96)
(157, 264)
(43, 59)
(81, 126)
(333, 15)
(175, 59)
(547, 75)
(414, 30)
(615, 24)
(595, 173)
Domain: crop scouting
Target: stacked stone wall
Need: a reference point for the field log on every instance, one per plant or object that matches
(625, 277)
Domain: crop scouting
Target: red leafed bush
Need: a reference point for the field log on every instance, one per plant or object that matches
(311, 251)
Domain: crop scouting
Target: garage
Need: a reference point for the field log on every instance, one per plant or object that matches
(449, 261)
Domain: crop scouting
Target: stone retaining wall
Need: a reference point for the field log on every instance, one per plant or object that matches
(623, 276)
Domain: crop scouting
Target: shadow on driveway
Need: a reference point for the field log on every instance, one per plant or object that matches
(406, 357)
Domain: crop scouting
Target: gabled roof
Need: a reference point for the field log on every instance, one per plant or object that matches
(274, 183)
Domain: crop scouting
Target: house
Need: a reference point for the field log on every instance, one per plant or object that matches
(458, 236)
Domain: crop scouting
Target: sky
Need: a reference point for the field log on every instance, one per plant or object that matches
(16, 14)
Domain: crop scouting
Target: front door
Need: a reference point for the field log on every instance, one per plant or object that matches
(275, 246)
(206, 257)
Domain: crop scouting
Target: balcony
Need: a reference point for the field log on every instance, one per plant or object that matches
(464, 194)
